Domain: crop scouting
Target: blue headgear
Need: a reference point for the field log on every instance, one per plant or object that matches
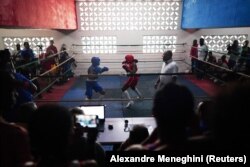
(95, 61)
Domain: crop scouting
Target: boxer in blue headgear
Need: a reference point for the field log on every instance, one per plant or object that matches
(91, 82)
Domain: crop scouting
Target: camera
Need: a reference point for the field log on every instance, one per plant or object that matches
(87, 121)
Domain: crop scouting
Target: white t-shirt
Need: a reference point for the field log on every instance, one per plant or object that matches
(169, 67)
(202, 51)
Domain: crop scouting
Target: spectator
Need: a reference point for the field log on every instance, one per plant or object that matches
(15, 149)
(210, 68)
(194, 55)
(173, 110)
(202, 56)
(50, 130)
(8, 86)
(66, 67)
(224, 64)
(25, 113)
(211, 58)
(16, 54)
(234, 51)
(244, 54)
(168, 66)
(136, 136)
(27, 53)
(14, 143)
(231, 117)
(25, 94)
(51, 49)
(83, 148)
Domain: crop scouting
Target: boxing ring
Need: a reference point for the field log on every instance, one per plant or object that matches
(72, 93)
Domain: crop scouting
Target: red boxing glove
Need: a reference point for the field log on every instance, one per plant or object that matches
(125, 67)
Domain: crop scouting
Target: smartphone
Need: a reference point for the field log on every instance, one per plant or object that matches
(89, 121)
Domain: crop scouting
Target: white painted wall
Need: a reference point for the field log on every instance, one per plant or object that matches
(123, 37)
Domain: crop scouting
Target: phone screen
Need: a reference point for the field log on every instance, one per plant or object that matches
(87, 120)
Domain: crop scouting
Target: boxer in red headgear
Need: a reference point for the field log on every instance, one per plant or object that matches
(130, 66)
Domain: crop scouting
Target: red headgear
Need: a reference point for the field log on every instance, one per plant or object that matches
(129, 58)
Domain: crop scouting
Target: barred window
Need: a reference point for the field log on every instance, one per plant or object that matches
(159, 44)
(34, 42)
(129, 15)
(220, 42)
(99, 44)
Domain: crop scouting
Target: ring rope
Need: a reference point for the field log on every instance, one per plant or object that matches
(226, 69)
(131, 45)
(105, 99)
(40, 60)
(208, 73)
(52, 83)
(150, 61)
(46, 72)
(131, 52)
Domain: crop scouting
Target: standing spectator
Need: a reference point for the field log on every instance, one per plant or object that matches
(202, 56)
(244, 54)
(194, 55)
(51, 49)
(211, 58)
(168, 66)
(16, 54)
(234, 51)
(66, 67)
(27, 53)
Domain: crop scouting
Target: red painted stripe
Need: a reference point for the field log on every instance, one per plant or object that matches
(58, 92)
(205, 84)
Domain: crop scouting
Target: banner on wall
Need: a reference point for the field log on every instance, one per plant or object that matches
(198, 14)
(49, 14)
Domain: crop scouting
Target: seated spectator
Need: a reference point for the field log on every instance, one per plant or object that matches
(25, 113)
(136, 136)
(14, 144)
(221, 73)
(173, 110)
(8, 86)
(50, 130)
(204, 110)
(25, 94)
(211, 58)
(85, 148)
(231, 117)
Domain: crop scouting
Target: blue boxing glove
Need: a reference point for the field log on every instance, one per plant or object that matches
(105, 69)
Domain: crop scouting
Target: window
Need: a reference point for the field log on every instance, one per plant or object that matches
(129, 15)
(220, 42)
(99, 44)
(34, 42)
(159, 44)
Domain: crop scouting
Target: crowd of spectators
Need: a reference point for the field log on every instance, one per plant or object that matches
(205, 63)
